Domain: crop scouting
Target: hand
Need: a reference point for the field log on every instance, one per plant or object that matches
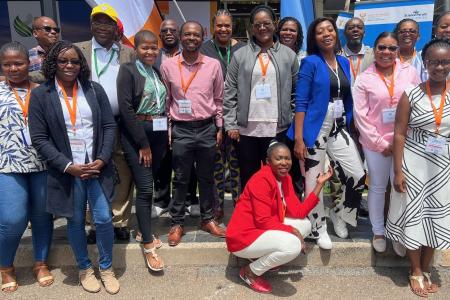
(82, 171)
(300, 150)
(145, 157)
(219, 137)
(400, 183)
(97, 164)
(300, 237)
(234, 134)
(322, 178)
(388, 151)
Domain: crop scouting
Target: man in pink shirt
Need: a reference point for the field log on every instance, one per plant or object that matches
(194, 105)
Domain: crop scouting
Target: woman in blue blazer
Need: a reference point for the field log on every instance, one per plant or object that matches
(323, 114)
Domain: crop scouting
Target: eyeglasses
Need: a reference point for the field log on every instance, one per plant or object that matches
(381, 48)
(64, 62)
(49, 29)
(405, 31)
(104, 25)
(437, 62)
(166, 30)
(264, 25)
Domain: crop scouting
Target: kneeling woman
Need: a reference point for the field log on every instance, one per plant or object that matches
(269, 221)
(72, 127)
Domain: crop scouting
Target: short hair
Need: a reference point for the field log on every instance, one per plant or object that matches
(269, 10)
(299, 42)
(434, 43)
(191, 22)
(383, 35)
(14, 46)
(397, 27)
(222, 12)
(50, 63)
(353, 19)
(311, 43)
(274, 145)
(144, 35)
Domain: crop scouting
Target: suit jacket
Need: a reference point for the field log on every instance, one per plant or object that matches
(49, 136)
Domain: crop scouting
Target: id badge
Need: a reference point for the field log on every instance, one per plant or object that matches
(185, 107)
(338, 108)
(26, 136)
(160, 124)
(262, 91)
(77, 146)
(389, 115)
(436, 145)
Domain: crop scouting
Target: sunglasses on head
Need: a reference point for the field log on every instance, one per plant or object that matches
(49, 29)
(384, 47)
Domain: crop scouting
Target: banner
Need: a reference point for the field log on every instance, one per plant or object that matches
(341, 20)
(379, 16)
(302, 10)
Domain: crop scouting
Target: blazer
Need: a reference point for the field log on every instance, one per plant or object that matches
(260, 208)
(313, 96)
(130, 87)
(49, 137)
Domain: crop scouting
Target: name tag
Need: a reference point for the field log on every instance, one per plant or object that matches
(436, 145)
(160, 124)
(26, 136)
(262, 91)
(77, 146)
(338, 108)
(389, 115)
(185, 107)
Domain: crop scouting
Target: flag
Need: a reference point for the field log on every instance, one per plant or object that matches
(134, 15)
(302, 10)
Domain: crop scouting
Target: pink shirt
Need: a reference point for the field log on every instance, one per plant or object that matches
(371, 97)
(205, 91)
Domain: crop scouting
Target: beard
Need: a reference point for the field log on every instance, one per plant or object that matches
(354, 42)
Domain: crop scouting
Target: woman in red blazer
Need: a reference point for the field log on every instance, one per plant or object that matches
(269, 221)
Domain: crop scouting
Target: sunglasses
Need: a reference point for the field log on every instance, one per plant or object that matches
(390, 48)
(64, 62)
(49, 29)
(166, 30)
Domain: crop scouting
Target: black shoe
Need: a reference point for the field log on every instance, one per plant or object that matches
(363, 212)
(122, 233)
(91, 238)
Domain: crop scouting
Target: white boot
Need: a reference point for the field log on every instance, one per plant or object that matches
(324, 241)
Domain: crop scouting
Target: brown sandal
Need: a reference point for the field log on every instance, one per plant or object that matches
(9, 284)
(43, 275)
(155, 263)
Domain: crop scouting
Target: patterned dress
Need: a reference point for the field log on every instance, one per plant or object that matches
(421, 216)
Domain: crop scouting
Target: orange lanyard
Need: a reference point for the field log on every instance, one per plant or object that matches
(185, 86)
(355, 72)
(23, 105)
(403, 60)
(263, 66)
(391, 86)
(437, 114)
(72, 109)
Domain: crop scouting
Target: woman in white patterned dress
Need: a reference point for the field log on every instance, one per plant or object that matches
(419, 213)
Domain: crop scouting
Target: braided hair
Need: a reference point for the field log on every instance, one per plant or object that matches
(434, 43)
(14, 46)
(299, 42)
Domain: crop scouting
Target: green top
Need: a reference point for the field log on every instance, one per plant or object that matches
(153, 100)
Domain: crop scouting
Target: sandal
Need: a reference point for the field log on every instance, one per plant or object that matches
(156, 242)
(156, 259)
(419, 292)
(43, 275)
(11, 285)
(432, 287)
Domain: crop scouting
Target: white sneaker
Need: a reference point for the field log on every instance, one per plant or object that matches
(194, 210)
(340, 227)
(156, 211)
(324, 241)
(379, 245)
(399, 249)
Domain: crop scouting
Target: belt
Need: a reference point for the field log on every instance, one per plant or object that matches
(148, 117)
(196, 124)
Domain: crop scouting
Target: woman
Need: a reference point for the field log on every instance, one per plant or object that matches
(269, 222)
(419, 212)
(323, 114)
(72, 127)
(142, 100)
(407, 31)
(376, 94)
(290, 34)
(257, 97)
(442, 26)
(222, 47)
(23, 174)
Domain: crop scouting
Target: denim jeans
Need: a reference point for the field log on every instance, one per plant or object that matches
(91, 190)
(23, 198)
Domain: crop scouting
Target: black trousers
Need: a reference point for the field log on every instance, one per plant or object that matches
(193, 143)
(143, 176)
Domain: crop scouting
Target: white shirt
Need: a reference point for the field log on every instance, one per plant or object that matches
(84, 127)
(108, 79)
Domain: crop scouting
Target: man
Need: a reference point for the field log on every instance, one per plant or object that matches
(104, 57)
(195, 96)
(46, 33)
(169, 35)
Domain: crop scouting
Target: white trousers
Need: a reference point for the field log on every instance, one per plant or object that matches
(274, 248)
(380, 170)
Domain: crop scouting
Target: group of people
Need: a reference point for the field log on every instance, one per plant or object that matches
(83, 126)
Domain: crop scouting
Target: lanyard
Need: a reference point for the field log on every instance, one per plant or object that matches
(227, 62)
(391, 86)
(185, 86)
(102, 71)
(154, 80)
(402, 59)
(336, 73)
(23, 104)
(72, 110)
(263, 66)
(355, 72)
(437, 114)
